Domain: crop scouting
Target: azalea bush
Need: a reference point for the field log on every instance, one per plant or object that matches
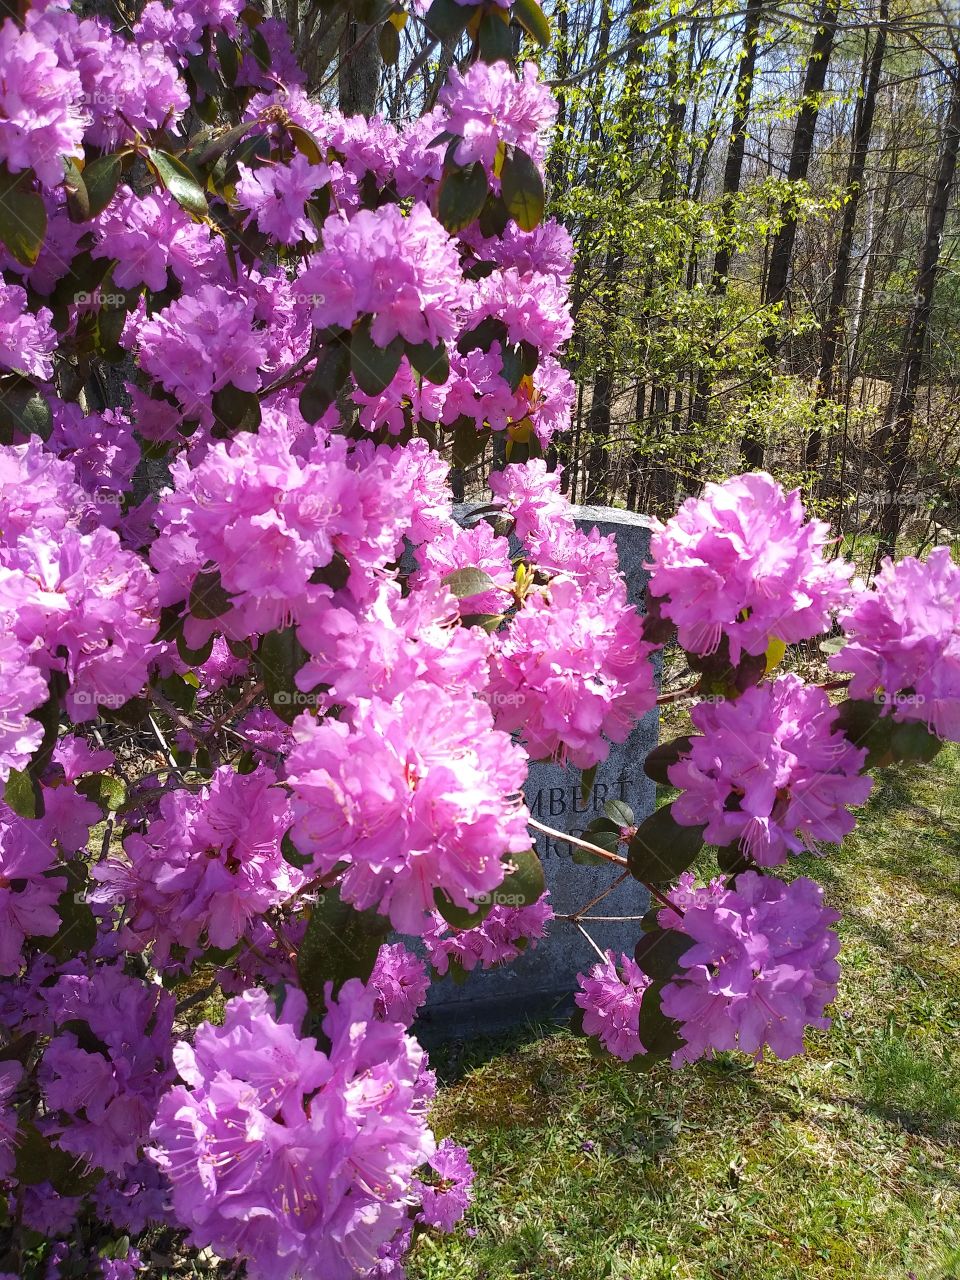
(266, 721)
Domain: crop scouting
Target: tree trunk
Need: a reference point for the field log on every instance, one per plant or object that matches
(835, 321)
(901, 408)
(359, 71)
(781, 251)
(732, 174)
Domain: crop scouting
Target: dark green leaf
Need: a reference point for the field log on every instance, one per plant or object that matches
(208, 597)
(38, 1160)
(482, 336)
(78, 199)
(524, 884)
(78, 925)
(468, 442)
(660, 759)
(662, 849)
(658, 953)
(431, 362)
(340, 943)
(236, 409)
(102, 177)
(469, 582)
(619, 813)
(280, 656)
(260, 50)
(494, 38)
(292, 854)
(522, 189)
(609, 840)
(446, 19)
(179, 181)
(658, 1033)
(23, 222)
(228, 55)
(388, 38)
(328, 376)
(23, 795)
(23, 410)
(335, 574)
(865, 725)
(305, 143)
(531, 17)
(913, 741)
(461, 196)
(587, 779)
(373, 367)
(462, 917)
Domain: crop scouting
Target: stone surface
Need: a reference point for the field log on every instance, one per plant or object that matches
(540, 984)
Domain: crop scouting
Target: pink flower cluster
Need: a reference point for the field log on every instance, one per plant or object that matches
(903, 642)
(504, 934)
(402, 270)
(204, 869)
(295, 1159)
(487, 106)
(769, 772)
(106, 1064)
(762, 968)
(610, 997)
(412, 796)
(743, 563)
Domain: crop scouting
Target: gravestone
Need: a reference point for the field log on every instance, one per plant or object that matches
(540, 984)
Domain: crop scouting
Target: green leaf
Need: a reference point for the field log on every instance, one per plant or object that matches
(292, 854)
(78, 198)
(431, 362)
(603, 839)
(469, 582)
(38, 1160)
(328, 376)
(23, 221)
(490, 330)
(489, 621)
(524, 883)
(179, 181)
(208, 597)
(587, 779)
(494, 38)
(658, 1033)
(662, 849)
(280, 656)
(619, 813)
(468, 442)
(461, 196)
(78, 925)
(305, 143)
(462, 917)
(660, 759)
(865, 725)
(522, 189)
(388, 38)
(23, 409)
(531, 17)
(340, 943)
(446, 20)
(913, 741)
(373, 367)
(658, 953)
(23, 794)
(238, 410)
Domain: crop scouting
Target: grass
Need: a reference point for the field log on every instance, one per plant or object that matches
(840, 1164)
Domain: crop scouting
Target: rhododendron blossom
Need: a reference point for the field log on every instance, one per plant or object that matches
(903, 642)
(743, 562)
(762, 968)
(770, 772)
(610, 997)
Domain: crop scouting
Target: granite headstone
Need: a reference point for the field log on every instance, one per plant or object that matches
(540, 984)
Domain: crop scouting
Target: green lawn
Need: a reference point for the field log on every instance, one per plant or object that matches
(839, 1164)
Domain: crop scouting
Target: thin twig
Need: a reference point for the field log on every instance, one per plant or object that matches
(581, 844)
